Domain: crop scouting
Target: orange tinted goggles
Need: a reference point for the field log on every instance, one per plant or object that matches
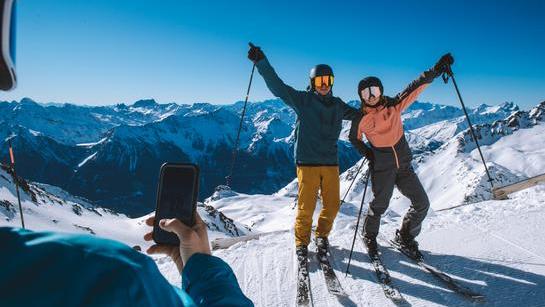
(319, 81)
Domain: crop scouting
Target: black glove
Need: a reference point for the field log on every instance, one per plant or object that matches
(443, 64)
(255, 54)
(370, 156)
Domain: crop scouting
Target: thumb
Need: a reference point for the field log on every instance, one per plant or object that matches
(175, 226)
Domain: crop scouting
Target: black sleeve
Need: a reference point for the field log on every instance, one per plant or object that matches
(353, 136)
(350, 113)
(424, 78)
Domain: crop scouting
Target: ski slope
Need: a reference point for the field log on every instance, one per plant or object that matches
(492, 247)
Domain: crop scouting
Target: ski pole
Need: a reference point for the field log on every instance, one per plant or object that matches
(358, 221)
(350, 186)
(235, 149)
(449, 74)
(12, 158)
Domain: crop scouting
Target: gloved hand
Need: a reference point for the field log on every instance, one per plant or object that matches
(443, 64)
(255, 54)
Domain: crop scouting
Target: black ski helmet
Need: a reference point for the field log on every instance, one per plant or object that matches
(367, 82)
(320, 70)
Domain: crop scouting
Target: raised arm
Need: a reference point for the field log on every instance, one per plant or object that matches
(278, 88)
(404, 99)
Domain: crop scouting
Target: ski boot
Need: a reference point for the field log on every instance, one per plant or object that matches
(409, 244)
(322, 248)
(371, 245)
(302, 255)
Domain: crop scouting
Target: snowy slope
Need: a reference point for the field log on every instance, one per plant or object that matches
(491, 247)
(47, 207)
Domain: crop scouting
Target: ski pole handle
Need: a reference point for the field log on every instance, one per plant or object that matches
(445, 77)
(447, 74)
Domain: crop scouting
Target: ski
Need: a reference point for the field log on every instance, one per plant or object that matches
(332, 282)
(383, 276)
(303, 281)
(444, 277)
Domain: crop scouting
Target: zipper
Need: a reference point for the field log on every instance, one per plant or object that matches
(395, 155)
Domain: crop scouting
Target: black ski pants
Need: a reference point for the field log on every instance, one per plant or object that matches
(406, 180)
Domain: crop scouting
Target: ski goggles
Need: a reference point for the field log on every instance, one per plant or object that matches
(367, 92)
(320, 81)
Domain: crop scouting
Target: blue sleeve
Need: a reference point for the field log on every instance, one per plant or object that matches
(278, 88)
(76, 270)
(209, 281)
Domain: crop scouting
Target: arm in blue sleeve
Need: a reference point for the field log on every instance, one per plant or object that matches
(211, 282)
(278, 88)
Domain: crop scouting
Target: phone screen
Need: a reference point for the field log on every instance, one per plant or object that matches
(177, 197)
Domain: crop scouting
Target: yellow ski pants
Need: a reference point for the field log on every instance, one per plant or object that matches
(311, 179)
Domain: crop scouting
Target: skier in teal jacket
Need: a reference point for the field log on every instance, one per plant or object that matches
(56, 269)
(319, 122)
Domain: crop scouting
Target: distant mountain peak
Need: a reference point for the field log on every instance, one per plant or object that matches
(143, 103)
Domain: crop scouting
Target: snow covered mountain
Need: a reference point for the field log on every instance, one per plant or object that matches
(111, 155)
(429, 135)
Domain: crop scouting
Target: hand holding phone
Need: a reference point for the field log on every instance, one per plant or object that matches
(193, 240)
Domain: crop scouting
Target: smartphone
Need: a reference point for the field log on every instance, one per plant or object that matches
(177, 193)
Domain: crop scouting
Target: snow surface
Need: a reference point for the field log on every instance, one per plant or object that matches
(491, 247)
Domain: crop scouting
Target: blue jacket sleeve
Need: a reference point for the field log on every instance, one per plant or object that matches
(73, 270)
(278, 88)
(209, 281)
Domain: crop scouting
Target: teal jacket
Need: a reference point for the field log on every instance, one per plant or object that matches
(54, 269)
(319, 119)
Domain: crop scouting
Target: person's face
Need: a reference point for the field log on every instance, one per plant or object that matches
(371, 95)
(323, 90)
(323, 84)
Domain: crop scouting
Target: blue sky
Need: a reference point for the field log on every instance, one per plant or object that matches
(104, 52)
